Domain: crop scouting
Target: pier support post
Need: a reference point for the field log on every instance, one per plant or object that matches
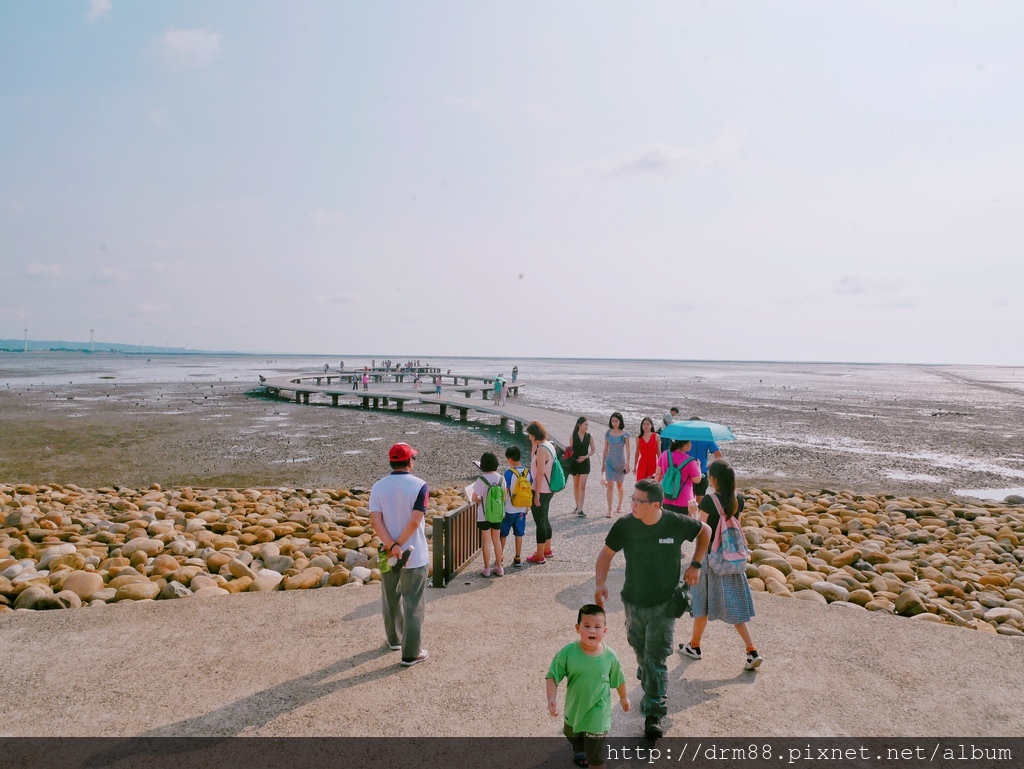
(519, 427)
(400, 405)
(463, 415)
(334, 400)
(504, 423)
(444, 409)
(376, 403)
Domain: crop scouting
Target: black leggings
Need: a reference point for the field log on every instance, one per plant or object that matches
(540, 517)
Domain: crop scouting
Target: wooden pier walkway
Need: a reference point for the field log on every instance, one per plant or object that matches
(389, 389)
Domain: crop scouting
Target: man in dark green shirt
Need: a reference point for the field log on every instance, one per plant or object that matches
(651, 540)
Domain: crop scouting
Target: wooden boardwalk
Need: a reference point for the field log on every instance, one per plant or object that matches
(389, 390)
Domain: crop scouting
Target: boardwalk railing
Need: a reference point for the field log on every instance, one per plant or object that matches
(456, 540)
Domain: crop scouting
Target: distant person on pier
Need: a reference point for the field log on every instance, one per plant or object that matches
(341, 366)
(648, 446)
(615, 459)
(503, 393)
(583, 448)
(543, 457)
(515, 373)
(398, 505)
(700, 450)
(366, 381)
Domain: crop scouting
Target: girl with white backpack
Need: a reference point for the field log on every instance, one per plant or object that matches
(722, 595)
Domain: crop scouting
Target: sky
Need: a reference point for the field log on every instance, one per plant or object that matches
(806, 181)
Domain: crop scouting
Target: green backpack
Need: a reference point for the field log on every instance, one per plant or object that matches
(557, 479)
(672, 481)
(494, 502)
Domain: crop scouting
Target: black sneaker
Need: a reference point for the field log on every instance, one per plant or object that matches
(653, 728)
(690, 651)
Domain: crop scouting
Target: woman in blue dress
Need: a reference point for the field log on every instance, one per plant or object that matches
(615, 459)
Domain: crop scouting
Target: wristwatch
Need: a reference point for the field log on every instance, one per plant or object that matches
(696, 564)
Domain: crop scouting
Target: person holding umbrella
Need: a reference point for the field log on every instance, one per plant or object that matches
(700, 450)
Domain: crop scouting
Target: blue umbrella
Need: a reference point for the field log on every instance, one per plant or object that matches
(695, 430)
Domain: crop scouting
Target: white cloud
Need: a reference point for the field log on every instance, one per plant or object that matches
(664, 159)
(192, 47)
(323, 218)
(158, 118)
(40, 270)
(851, 284)
(109, 275)
(334, 299)
(98, 8)
(467, 102)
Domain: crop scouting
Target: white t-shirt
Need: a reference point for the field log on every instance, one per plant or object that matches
(395, 497)
(480, 489)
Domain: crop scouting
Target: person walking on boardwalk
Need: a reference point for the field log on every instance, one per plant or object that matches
(543, 457)
(583, 448)
(398, 504)
(648, 445)
(723, 597)
(615, 459)
(651, 540)
(515, 373)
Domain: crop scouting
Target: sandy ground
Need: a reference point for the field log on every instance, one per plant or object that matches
(903, 430)
(312, 663)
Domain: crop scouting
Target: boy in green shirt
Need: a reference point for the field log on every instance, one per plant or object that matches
(592, 669)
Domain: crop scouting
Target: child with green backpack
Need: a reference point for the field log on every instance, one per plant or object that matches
(489, 494)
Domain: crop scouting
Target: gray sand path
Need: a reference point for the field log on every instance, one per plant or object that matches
(313, 663)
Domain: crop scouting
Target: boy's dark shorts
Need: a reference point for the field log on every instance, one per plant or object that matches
(591, 744)
(701, 488)
(487, 525)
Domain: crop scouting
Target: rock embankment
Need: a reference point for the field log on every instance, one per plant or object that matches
(66, 547)
(936, 560)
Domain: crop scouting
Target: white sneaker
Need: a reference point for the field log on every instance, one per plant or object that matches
(753, 660)
(690, 651)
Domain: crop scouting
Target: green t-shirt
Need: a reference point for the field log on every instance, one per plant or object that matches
(588, 702)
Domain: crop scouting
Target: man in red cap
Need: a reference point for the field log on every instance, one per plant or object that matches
(398, 503)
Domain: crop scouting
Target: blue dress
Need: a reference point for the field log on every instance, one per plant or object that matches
(615, 462)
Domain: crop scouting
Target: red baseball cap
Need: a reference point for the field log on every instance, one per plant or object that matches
(401, 452)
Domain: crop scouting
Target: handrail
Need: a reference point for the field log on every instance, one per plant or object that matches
(456, 541)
